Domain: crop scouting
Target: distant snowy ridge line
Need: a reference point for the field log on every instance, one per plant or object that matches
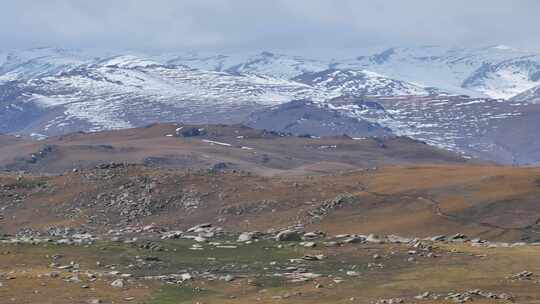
(496, 72)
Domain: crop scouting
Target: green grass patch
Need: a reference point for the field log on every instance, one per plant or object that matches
(176, 295)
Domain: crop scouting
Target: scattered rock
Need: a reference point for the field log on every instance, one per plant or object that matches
(354, 240)
(458, 237)
(227, 278)
(172, 234)
(375, 239)
(246, 236)
(119, 283)
(308, 244)
(190, 132)
(288, 236)
(524, 275)
(200, 228)
(312, 235)
(186, 277)
(318, 257)
(438, 238)
(423, 296)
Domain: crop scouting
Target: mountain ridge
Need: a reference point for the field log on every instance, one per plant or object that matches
(49, 91)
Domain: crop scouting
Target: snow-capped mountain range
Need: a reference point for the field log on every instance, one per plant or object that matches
(53, 91)
(73, 90)
(496, 72)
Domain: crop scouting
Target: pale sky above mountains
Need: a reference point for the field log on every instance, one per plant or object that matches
(276, 24)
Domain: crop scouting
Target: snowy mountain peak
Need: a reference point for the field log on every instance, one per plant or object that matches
(128, 62)
(497, 72)
(360, 83)
(530, 96)
(505, 79)
(38, 62)
(503, 47)
(276, 65)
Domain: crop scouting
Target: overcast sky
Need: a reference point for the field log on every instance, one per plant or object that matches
(267, 24)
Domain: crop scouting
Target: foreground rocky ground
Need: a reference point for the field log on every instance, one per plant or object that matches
(206, 264)
(122, 233)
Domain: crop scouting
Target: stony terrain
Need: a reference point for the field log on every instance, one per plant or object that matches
(176, 213)
(259, 268)
(124, 233)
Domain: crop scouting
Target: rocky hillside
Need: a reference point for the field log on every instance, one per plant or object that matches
(216, 147)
